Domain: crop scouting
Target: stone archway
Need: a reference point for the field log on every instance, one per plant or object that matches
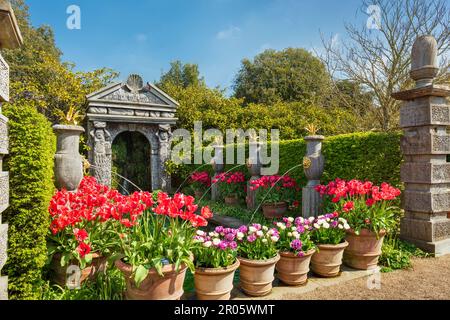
(133, 107)
(131, 163)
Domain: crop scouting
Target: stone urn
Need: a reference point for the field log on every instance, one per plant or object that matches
(215, 283)
(68, 161)
(327, 260)
(313, 166)
(292, 269)
(364, 249)
(256, 276)
(154, 287)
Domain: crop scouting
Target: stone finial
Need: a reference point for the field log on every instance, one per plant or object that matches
(424, 67)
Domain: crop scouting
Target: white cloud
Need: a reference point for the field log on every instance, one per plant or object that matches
(231, 32)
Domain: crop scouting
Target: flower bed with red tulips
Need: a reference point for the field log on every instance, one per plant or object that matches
(232, 186)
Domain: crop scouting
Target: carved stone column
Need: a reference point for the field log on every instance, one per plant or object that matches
(100, 155)
(164, 136)
(10, 38)
(218, 166)
(425, 117)
(313, 165)
(254, 167)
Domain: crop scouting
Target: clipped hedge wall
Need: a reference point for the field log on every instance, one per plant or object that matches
(30, 164)
(368, 155)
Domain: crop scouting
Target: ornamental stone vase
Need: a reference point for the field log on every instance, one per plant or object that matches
(313, 166)
(68, 161)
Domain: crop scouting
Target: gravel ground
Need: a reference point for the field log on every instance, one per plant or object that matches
(429, 279)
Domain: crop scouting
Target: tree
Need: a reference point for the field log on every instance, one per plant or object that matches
(380, 60)
(289, 75)
(182, 75)
(38, 74)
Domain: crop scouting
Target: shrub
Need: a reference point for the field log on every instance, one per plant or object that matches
(30, 164)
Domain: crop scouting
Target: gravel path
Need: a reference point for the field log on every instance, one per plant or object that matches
(429, 279)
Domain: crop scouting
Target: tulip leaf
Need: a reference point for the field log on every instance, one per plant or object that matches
(140, 275)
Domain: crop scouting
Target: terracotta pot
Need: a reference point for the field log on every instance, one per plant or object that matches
(364, 250)
(293, 270)
(327, 261)
(274, 210)
(231, 200)
(61, 275)
(256, 276)
(215, 284)
(154, 287)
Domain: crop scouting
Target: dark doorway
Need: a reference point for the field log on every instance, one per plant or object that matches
(131, 156)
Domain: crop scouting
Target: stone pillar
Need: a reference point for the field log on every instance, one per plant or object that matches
(164, 135)
(425, 117)
(313, 165)
(254, 167)
(218, 166)
(10, 38)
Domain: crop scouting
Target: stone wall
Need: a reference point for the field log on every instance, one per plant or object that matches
(10, 38)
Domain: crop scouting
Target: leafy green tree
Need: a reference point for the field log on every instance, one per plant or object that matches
(38, 74)
(182, 75)
(289, 75)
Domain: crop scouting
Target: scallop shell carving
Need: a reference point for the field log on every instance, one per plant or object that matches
(135, 83)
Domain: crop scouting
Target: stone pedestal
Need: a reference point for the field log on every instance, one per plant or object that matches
(313, 165)
(218, 166)
(254, 167)
(424, 117)
(10, 38)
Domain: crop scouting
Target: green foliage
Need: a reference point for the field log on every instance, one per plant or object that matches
(396, 254)
(30, 164)
(181, 75)
(293, 74)
(131, 159)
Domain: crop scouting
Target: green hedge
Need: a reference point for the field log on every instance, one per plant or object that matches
(30, 164)
(369, 155)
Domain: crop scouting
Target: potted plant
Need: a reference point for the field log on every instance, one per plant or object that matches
(296, 249)
(329, 236)
(81, 226)
(370, 212)
(200, 182)
(274, 192)
(258, 255)
(231, 186)
(155, 247)
(215, 258)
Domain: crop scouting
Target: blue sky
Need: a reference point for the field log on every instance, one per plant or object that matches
(144, 36)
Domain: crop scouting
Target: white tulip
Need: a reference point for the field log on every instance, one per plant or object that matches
(290, 219)
(346, 226)
(317, 226)
(216, 242)
(200, 233)
(270, 232)
(296, 235)
(259, 233)
(207, 244)
(240, 235)
(274, 239)
(326, 225)
(252, 230)
(289, 234)
(311, 219)
(264, 240)
(294, 228)
(265, 228)
(341, 226)
(280, 224)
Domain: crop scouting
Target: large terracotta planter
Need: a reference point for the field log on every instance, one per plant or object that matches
(274, 210)
(154, 287)
(293, 270)
(231, 200)
(68, 161)
(215, 284)
(363, 250)
(327, 261)
(60, 275)
(256, 276)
